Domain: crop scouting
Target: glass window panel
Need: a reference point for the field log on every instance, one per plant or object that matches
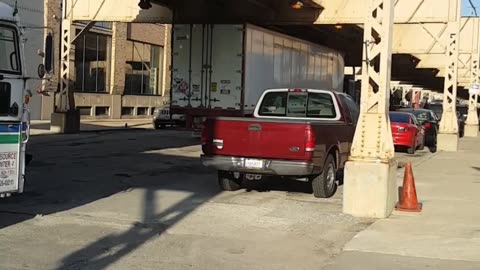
(91, 63)
(8, 51)
(143, 69)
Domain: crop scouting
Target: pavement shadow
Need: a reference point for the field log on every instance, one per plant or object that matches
(107, 250)
(68, 175)
(70, 171)
(86, 126)
(267, 184)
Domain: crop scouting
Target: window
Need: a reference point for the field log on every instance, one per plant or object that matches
(143, 75)
(91, 63)
(85, 110)
(415, 121)
(298, 104)
(102, 111)
(9, 52)
(422, 116)
(142, 111)
(400, 118)
(127, 110)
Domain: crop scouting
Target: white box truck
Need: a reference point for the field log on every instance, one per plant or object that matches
(222, 69)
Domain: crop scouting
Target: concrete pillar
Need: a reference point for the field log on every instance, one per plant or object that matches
(119, 58)
(370, 182)
(117, 72)
(448, 135)
(116, 107)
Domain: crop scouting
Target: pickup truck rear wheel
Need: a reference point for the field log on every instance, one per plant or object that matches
(325, 184)
(227, 181)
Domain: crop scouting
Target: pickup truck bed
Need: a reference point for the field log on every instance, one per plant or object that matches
(293, 147)
(273, 147)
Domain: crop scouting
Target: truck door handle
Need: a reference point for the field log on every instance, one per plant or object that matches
(255, 127)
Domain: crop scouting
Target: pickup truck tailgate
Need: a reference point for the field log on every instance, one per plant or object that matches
(249, 137)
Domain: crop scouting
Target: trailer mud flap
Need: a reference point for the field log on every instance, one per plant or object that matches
(10, 154)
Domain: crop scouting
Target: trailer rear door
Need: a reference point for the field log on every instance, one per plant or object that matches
(207, 66)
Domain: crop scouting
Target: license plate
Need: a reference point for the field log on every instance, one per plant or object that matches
(254, 163)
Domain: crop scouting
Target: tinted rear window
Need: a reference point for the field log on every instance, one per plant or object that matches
(298, 104)
(400, 118)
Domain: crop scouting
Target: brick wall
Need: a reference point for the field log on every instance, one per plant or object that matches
(146, 32)
(119, 53)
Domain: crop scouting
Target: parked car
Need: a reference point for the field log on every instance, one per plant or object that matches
(162, 118)
(437, 107)
(300, 134)
(407, 131)
(429, 120)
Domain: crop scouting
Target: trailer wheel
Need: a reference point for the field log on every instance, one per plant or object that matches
(227, 182)
(325, 184)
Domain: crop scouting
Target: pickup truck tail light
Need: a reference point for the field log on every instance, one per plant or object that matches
(309, 139)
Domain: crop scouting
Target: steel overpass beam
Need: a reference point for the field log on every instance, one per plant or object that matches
(116, 11)
(370, 181)
(406, 11)
(448, 135)
(431, 38)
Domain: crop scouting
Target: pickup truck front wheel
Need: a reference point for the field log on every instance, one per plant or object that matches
(227, 181)
(325, 184)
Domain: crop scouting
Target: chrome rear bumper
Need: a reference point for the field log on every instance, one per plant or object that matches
(270, 167)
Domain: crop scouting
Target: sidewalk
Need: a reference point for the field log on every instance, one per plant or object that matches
(445, 235)
(40, 127)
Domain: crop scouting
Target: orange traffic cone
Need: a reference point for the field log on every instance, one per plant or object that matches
(408, 201)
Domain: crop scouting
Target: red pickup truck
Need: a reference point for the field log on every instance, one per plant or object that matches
(301, 134)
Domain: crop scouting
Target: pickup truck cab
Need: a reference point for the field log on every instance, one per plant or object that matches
(301, 134)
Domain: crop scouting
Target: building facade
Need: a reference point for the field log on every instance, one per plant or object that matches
(117, 70)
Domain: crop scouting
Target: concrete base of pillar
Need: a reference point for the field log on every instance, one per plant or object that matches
(370, 189)
(447, 142)
(65, 122)
(471, 130)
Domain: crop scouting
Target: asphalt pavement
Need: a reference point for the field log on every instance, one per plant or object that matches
(140, 199)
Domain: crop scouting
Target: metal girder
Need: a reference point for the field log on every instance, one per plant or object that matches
(65, 102)
(116, 10)
(432, 38)
(373, 136)
(448, 136)
(84, 31)
(472, 117)
(438, 60)
(406, 11)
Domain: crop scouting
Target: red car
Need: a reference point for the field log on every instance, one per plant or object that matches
(407, 131)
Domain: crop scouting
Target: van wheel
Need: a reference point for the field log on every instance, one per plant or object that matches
(227, 182)
(325, 184)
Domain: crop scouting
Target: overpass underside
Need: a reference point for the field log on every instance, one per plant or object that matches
(418, 33)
